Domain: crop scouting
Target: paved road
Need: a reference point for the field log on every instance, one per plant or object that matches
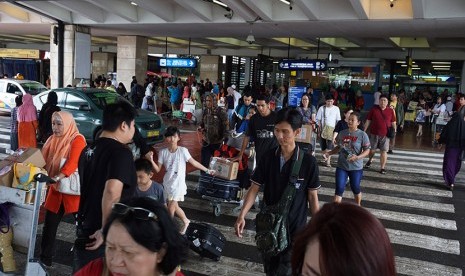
(424, 220)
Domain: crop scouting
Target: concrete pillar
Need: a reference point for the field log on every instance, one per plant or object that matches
(132, 59)
(102, 63)
(68, 67)
(462, 79)
(209, 68)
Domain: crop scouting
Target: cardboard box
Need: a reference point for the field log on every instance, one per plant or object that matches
(305, 134)
(28, 155)
(6, 173)
(224, 168)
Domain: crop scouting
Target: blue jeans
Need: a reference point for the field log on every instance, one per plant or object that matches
(355, 178)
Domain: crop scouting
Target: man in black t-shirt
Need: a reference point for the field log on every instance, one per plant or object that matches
(260, 129)
(107, 174)
(273, 173)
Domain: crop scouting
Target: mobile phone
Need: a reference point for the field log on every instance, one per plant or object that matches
(81, 243)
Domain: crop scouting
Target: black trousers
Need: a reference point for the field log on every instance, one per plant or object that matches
(279, 265)
(49, 233)
(207, 152)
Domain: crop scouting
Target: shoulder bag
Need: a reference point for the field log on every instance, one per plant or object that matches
(70, 185)
(327, 131)
(391, 133)
(271, 222)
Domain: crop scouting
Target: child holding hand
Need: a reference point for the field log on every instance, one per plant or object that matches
(174, 159)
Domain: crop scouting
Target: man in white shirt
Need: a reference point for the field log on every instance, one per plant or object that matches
(237, 96)
(328, 115)
(376, 96)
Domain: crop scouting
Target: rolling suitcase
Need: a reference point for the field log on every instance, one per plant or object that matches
(218, 188)
(206, 240)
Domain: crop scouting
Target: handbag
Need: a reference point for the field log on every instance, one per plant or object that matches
(70, 185)
(7, 261)
(271, 223)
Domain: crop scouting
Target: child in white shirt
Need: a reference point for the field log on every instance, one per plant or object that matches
(174, 159)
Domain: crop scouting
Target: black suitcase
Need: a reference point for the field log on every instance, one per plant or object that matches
(219, 188)
(205, 240)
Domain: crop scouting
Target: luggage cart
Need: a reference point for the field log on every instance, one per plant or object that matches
(25, 218)
(218, 191)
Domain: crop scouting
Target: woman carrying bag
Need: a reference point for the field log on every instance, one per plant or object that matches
(65, 143)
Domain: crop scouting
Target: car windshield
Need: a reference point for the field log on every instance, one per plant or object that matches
(101, 99)
(33, 88)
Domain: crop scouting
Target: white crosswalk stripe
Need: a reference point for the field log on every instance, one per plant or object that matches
(418, 212)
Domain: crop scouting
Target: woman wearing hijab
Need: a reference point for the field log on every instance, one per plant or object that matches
(27, 123)
(45, 116)
(453, 136)
(65, 143)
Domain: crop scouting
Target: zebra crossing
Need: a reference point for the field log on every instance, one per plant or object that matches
(423, 219)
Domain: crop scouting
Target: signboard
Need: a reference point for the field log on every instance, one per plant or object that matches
(303, 64)
(19, 53)
(178, 62)
(295, 94)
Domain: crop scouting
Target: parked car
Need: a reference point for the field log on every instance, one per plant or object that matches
(87, 104)
(10, 88)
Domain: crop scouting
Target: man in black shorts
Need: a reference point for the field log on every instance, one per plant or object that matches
(108, 175)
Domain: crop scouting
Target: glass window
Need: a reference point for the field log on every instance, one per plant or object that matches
(12, 88)
(33, 88)
(74, 102)
(101, 99)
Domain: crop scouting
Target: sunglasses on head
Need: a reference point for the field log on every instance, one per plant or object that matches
(137, 212)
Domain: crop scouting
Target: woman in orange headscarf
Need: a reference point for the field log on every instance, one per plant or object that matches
(27, 123)
(65, 143)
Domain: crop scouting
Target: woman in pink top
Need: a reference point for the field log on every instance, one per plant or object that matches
(27, 123)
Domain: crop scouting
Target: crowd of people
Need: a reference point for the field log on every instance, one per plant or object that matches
(125, 220)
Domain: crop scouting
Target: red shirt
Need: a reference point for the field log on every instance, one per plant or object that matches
(378, 123)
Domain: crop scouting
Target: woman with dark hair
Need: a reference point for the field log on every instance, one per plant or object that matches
(121, 89)
(353, 145)
(453, 136)
(45, 116)
(140, 239)
(343, 239)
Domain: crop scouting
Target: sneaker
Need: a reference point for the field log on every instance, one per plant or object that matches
(390, 152)
(382, 171)
(367, 165)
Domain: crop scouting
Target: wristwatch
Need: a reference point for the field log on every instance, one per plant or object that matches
(56, 178)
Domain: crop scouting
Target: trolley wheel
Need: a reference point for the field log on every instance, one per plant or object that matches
(217, 210)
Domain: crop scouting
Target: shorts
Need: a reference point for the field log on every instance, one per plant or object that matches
(175, 198)
(326, 144)
(379, 142)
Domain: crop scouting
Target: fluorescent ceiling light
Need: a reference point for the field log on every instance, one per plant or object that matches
(400, 61)
(447, 69)
(220, 3)
(440, 62)
(287, 2)
(134, 3)
(441, 66)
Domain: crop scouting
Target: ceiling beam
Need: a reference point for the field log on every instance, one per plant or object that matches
(85, 9)
(161, 8)
(121, 8)
(263, 8)
(310, 8)
(241, 10)
(14, 12)
(49, 9)
(361, 8)
(418, 8)
(201, 9)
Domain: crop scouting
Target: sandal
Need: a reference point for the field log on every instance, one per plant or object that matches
(382, 171)
(367, 165)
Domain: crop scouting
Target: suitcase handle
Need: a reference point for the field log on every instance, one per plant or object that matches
(210, 191)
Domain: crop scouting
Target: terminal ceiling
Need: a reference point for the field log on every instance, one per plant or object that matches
(429, 29)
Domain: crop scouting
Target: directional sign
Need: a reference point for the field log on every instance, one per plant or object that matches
(295, 95)
(303, 64)
(178, 62)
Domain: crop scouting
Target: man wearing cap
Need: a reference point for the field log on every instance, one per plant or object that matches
(326, 118)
